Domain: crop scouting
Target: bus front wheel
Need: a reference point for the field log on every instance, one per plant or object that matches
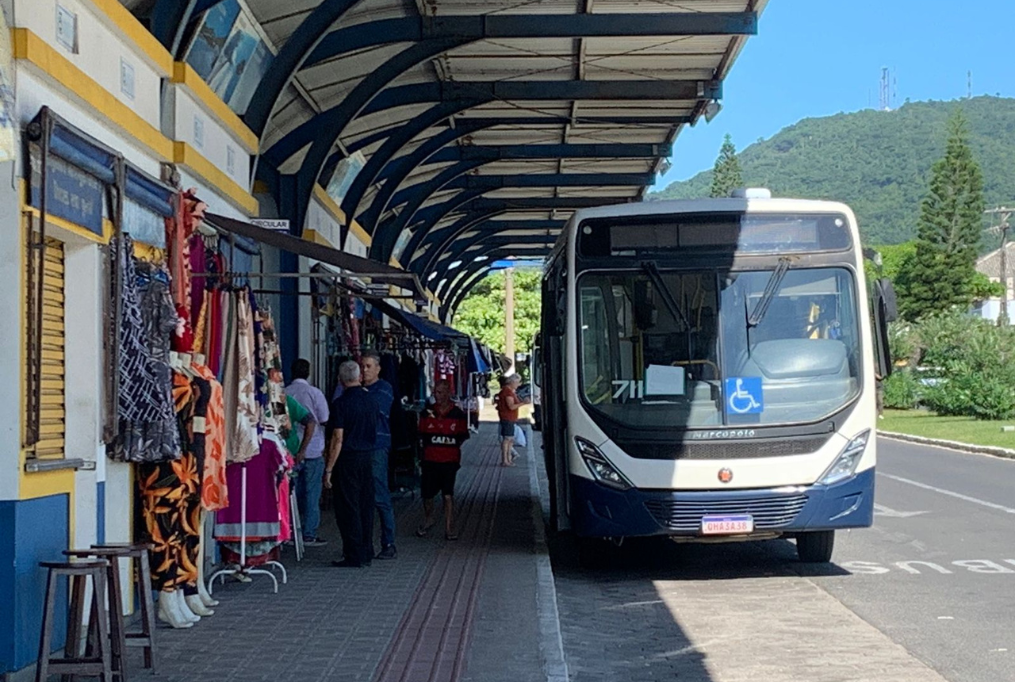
(815, 547)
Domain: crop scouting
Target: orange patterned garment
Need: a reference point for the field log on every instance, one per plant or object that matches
(214, 473)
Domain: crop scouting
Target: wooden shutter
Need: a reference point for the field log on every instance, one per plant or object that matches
(49, 341)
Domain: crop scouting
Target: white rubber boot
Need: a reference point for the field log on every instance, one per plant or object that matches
(196, 605)
(167, 611)
(204, 595)
(183, 609)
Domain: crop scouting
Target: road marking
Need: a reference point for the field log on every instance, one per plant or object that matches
(886, 511)
(943, 491)
(982, 566)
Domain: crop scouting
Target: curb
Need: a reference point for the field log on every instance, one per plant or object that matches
(951, 445)
(552, 651)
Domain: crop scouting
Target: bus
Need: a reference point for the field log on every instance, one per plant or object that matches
(709, 372)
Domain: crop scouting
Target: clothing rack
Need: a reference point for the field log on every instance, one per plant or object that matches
(240, 569)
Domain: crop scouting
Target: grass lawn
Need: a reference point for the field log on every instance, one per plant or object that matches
(961, 429)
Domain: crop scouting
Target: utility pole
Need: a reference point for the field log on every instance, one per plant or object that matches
(1003, 228)
(510, 332)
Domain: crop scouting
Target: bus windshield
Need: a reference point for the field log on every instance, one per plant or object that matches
(683, 349)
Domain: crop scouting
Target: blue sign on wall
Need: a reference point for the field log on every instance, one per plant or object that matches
(744, 395)
(72, 194)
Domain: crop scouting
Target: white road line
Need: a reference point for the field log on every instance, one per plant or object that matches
(967, 498)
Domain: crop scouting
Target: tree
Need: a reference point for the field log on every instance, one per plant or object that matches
(482, 313)
(726, 175)
(940, 275)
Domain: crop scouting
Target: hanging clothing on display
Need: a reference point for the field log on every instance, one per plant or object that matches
(245, 440)
(170, 502)
(262, 515)
(146, 421)
(214, 470)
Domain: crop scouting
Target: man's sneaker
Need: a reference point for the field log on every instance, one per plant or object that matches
(389, 552)
(314, 542)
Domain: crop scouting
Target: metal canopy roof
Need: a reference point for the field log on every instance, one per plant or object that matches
(475, 115)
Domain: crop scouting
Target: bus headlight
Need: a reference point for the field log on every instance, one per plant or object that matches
(600, 467)
(846, 463)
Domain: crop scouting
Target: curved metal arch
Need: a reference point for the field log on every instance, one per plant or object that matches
(426, 263)
(454, 178)
(504, 251)
(384, 239)
(289, 60)
(462, 96)
(486, 183)
(393, 143)
(413, 197)
(170, 18)
(460, 251)
(359, 98)
(466, 222)
(452, 288)
(480, 27)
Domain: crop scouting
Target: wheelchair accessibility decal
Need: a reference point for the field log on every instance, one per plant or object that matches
(744, 395)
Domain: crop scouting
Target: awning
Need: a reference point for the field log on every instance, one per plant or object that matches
(352, 265)
(431, 330)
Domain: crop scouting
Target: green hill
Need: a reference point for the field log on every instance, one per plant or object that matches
(877, 162)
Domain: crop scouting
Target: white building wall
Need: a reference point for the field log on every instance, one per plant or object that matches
(100, 51)
(208, 137)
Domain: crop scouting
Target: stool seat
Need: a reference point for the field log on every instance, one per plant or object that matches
(97, 658)
(74, 567)
(142, 638)
(133, 547)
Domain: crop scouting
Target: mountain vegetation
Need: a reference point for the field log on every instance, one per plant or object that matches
(877, 162)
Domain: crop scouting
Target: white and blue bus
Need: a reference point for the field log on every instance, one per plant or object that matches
(708, 371)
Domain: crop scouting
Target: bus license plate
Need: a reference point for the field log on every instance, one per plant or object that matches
(727, 525)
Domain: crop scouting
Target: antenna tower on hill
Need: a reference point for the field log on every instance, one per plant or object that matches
(883, 90)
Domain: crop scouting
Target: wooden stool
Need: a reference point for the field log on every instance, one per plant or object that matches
(115, 604)
(144, 588)
(97, 662)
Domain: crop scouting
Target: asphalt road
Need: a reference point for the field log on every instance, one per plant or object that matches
(926, 594)
(956, 512)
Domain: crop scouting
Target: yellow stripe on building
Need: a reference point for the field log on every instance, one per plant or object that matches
(119, 16)
(215, 106)
(187, 156)
(30, 48)
(325, 200)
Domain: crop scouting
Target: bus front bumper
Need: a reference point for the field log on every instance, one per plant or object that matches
(600, 511)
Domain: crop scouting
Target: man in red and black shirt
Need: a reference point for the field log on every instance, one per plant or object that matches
(443, 428)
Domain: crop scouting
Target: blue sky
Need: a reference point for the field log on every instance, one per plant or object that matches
(822, 57)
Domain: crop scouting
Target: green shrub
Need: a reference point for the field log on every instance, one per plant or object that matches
(902, 390)
(972, 361)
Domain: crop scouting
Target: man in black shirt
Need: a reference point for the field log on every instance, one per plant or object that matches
(349, 470)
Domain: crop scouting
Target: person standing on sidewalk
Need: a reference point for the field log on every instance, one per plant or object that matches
(384, 397)
(310, 467)
(508, 415)
(349, 471)
(443, 430)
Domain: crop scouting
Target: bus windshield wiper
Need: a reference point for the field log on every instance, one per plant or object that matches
(650, 268)
(770, 290)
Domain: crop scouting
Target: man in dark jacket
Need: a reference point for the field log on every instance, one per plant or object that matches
(349, 470)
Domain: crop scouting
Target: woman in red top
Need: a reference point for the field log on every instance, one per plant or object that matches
(443, 428)
(508, 415)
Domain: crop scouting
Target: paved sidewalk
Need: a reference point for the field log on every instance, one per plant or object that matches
(465, 610)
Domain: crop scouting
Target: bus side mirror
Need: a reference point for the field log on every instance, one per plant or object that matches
(643, 305)
(883, 303)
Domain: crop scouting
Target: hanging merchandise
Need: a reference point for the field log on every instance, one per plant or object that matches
(170, 502)
(214, 473)
(147, 431)
(245, 439)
